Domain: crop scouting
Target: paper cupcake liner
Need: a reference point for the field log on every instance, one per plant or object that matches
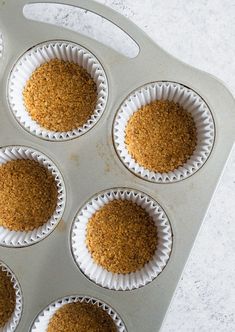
(21, 239)
(34, 58)
(100, 275)
(11, 325)
(191, 102)
(41, 322)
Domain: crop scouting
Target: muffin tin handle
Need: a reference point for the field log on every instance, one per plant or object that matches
(12, 19)
(132, 30)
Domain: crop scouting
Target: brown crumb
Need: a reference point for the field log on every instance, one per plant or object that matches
(28, 195)
(60, 95)
(7, 298)
(81, 317)
(121, 237)
(161, 136)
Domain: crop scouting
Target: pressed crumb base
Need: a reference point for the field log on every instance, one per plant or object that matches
(81, 317)
(28, 195)
(7, 298)
(121, 237)
(60, 95)
(161, 136)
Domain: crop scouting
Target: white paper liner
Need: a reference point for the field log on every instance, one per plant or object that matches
(11, 325)
(100, 275)
(20, 239)
(42, 320)
(35, 57)
(191, 102)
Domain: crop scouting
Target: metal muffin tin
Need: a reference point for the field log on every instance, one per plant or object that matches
(89, 164)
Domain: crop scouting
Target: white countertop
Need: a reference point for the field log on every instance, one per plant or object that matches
(201, 33)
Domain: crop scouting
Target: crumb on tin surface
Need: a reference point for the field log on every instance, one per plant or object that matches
(121, 237)
(7, 298)
(81, 317)
(60, 95)
(28, 195)
(161, 136)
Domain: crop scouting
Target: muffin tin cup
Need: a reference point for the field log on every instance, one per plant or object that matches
(100, 275)
(191, 102)
(33, 59)
(24, 238)
(11, 325)
(41, 322)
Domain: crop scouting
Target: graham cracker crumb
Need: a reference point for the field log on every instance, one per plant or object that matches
(161, 136)
(121, 237)
(28, 195)
(60, 95)
(7, 298)
(81, 317)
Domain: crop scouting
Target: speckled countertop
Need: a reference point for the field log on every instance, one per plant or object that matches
(201, 33)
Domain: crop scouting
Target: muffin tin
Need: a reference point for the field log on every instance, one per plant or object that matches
(90, 165)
